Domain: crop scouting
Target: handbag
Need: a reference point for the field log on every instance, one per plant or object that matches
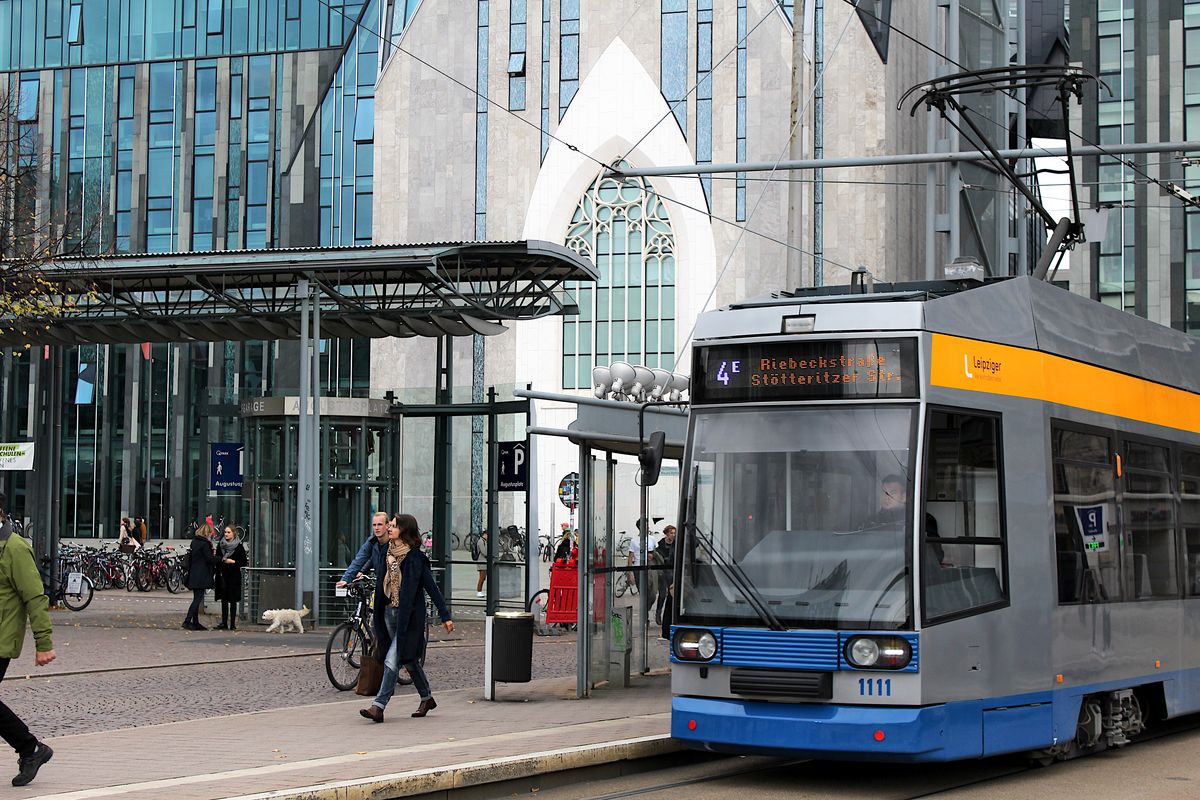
(370, 673)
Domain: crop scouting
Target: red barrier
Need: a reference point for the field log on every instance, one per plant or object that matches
(563, 606)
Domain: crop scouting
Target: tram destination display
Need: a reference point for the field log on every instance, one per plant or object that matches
(837, 369)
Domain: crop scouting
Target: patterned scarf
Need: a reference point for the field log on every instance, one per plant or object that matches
(397, 550)
(228, 546)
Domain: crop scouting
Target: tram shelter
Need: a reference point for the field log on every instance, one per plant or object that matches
(618, 631)
(438, 290)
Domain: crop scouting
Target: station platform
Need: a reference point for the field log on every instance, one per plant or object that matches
(328, 751)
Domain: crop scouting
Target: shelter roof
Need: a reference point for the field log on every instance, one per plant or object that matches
(372, 291)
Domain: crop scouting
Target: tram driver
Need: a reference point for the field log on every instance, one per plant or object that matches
(893, 506)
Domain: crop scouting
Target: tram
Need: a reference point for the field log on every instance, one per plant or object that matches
(937, 522)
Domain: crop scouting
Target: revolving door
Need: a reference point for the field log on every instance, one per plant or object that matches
(359, 459)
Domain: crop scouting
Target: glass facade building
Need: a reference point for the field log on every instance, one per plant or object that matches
(182, 126)
(1146, 257)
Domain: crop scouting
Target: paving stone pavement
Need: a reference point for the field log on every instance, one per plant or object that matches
(318, 746)
(124, 662)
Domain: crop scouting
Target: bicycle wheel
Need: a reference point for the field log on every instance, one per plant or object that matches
(128, 572)
(541, 598)
(342, 652)
(474, 547)
(175, 580)
(80, 601)
(144, 577)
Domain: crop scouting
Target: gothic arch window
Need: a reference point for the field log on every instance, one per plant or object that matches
(629, 315)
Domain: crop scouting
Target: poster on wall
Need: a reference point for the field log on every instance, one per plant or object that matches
(16, 456)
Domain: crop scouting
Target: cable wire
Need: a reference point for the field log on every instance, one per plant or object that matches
(536, 126)
(1129, 164)
(762, 194)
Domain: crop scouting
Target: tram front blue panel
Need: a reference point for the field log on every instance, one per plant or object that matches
(929, 733)
(750, 647)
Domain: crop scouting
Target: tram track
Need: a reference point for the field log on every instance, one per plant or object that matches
(824, 773)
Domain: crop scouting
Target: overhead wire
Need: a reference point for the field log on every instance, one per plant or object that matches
(743, 229)
(459, 83)
(1127, 163)
(696, 85)
(761, 195)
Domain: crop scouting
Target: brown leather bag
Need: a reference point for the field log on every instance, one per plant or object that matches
(370, 673)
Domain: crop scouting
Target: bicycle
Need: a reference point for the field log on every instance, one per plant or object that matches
(546, 547)
(355, 636)
(75, 592)
(512, 544)
(626, 582)
(352, 638)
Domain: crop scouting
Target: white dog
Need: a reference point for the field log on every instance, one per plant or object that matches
(284, 618)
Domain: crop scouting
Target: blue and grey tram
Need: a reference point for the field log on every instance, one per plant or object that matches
(927, 524)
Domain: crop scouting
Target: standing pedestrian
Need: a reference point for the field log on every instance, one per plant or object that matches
(406, 580)
(229, 577)
(666, 551)
(22, 598)
(202, 565)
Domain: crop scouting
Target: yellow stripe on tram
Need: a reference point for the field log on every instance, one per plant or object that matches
(957, 363)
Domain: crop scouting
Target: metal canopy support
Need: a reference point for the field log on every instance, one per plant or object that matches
(316, 457)
(304, 522)
(443, 458)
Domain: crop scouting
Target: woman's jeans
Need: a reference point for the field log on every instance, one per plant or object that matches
(193, 614)
(391, 667)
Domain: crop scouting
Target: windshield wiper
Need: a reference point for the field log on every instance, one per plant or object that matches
(732, 571)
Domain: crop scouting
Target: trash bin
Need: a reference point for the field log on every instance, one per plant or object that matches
(512, 647)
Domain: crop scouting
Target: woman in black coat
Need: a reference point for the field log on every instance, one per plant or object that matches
(400, 594)
(202, 565)
(232, 553)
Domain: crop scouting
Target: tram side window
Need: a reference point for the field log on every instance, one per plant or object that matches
(1150, 564)
(962, 550)
(1086, 531)
(1189, 518)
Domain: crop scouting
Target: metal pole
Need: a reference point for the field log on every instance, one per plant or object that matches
(315, 461)
(931, 172)
(493, 517)
(818, 142)
(55, 477)
(908, 158)
(795, 263)
(587, 566)
(303, 521)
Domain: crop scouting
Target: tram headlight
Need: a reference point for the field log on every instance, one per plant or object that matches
(878, 652)
(694, 644)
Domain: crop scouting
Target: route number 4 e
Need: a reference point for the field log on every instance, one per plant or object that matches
(874, 687)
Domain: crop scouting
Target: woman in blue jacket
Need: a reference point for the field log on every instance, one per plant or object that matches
(401, 594)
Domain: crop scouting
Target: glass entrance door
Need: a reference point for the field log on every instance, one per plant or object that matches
(344, 525)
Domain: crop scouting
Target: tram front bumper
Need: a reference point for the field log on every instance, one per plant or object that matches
(883, 733)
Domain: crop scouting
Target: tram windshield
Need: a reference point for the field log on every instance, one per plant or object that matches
(798, 517)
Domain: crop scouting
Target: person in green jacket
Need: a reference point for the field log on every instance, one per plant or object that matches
(22, 598)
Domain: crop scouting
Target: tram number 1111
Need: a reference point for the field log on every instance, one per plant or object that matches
(874, 687)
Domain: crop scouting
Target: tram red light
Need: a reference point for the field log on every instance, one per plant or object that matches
(879, 736)
(691, 724)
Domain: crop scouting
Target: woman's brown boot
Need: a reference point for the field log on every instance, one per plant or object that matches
(425, 707)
